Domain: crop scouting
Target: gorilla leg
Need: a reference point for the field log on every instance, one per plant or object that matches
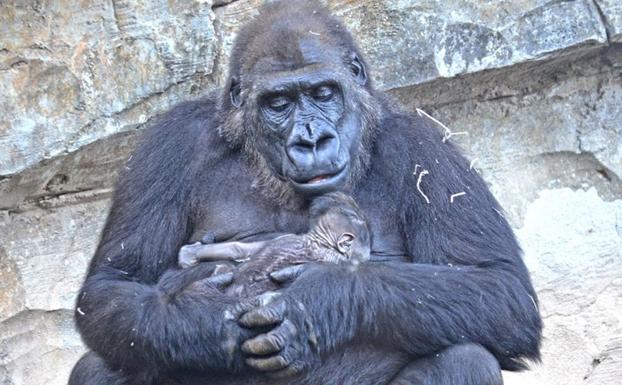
(92, 370)
(467, 364)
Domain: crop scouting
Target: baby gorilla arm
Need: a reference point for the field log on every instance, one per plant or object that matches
(190, 255)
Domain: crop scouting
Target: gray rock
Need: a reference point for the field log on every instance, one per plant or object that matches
(89, 171)
(573, 248)
(44, 254)
(414, 42)
(540, 129)
(38, 348)
(74, 72)
(611, 11)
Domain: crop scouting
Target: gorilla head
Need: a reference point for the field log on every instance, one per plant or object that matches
(299, 101)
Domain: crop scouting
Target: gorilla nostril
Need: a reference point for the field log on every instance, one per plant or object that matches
(324, 142)
(305, 146)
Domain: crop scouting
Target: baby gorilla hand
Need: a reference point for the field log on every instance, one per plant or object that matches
(290, 346)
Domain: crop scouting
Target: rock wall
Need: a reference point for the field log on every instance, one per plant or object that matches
(536, 84)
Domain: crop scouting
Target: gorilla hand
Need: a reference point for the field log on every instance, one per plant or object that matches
(289, 274)
(290, 346)
(205, 277)
(204, 284)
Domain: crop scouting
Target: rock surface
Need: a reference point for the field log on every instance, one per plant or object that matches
(536, 84)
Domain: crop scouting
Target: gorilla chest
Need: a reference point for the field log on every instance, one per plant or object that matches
(387, 241)
(247, 215)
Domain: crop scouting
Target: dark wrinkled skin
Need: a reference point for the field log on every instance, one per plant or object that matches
(446, 298)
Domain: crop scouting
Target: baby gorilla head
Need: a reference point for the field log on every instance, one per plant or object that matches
(338, 223)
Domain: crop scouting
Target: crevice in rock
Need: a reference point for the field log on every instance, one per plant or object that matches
(522, 79)
(605, 173)
(222, 3)
(66, 198)
(582, 171)
(603, 20)
(42, 312)
(92, 167)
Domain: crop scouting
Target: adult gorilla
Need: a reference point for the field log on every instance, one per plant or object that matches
(446, 300)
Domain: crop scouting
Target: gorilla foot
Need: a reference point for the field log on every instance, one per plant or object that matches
(92, 370)
(467, 364)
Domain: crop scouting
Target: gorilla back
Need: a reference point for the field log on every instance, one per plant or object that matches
(445, 299)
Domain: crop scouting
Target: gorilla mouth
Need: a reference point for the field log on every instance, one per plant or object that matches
(319, 178)
(320, 184)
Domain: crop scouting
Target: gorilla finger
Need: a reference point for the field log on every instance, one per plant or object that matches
(268, 364)
(223, 268)
(208, 238)
(173, 281)
(290, 371)
(264, 316)
(271, 342)
(234, 313)
(221, 280)
(288, 274)
(262, 345)
(268, 297)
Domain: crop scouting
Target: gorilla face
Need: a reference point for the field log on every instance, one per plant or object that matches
(306, 131)
(310, 137)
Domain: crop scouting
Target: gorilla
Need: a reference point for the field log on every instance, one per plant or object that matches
(444, 299)
(338, 233)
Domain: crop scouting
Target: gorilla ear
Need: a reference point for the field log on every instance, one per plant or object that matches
(344, 243)
(358, 69)
(235, 91)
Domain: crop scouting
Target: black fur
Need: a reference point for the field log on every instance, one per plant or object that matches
(446, 299)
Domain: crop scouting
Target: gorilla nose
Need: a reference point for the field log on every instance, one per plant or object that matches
(308, 148)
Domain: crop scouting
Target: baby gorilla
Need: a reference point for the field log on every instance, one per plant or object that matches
(338, 232)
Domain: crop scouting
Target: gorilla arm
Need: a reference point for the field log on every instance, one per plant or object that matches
(134, 310)
(466, 282)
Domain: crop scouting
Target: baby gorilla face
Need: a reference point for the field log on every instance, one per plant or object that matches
(346, 231)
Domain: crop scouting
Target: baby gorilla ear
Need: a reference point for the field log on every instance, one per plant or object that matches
(344, 243)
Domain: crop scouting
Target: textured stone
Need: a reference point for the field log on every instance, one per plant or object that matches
(89, 170)
(38, 348)
(74, 72)
(44, 255)
(540, 129)
(573, 248)
(46, 252)
(611, 11)
(413, 42)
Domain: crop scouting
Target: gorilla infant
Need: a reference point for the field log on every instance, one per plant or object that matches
(338, 232)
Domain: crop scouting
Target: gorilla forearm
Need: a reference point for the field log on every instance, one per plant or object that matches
(134, 310)
(420, 309)
(138, 326)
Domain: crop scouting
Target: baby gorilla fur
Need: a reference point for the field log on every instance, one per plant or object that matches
(338, 232)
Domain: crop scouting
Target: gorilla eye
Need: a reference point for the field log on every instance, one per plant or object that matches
(323, 93)
(278, 103)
